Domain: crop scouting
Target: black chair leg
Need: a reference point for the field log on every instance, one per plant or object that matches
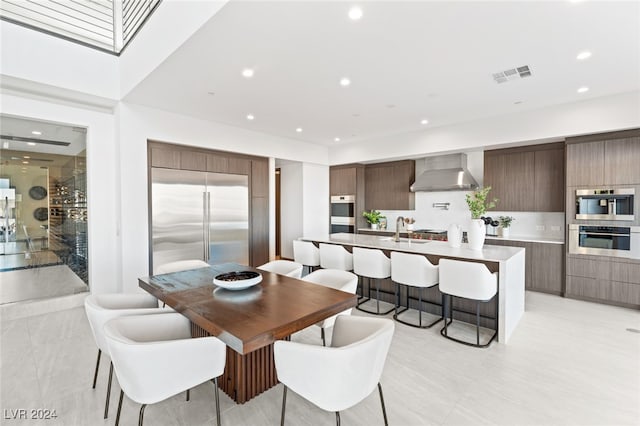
(106, 404)
(141, 416)
(337, 418)
(215, 387)
(478, 323)
(119, 408)
(384, 410)
(324, 343)
(188, 394)
(95, 374)
(284, 404)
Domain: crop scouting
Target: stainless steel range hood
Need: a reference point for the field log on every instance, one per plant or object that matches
(445, 173)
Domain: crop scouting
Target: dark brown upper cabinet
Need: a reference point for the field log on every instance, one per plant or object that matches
(604, 159)
(529, 178)
(387, 185)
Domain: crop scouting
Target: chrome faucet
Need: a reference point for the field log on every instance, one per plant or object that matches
(399, 222)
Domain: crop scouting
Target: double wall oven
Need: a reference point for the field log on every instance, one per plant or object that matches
(343, 214)
(605, 239)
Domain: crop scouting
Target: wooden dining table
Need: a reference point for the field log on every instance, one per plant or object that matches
(248, 321)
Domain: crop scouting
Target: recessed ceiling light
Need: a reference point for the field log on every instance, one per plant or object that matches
(517, 102)
(336, 140)
(250, 117)
(25, 162)
(424, 122)
(299, 130)
(247, 73)
(344, 82)
(211, 93)
(583, 55)
(31, 143)
(35, 132)
(583, 89)
(355, 13)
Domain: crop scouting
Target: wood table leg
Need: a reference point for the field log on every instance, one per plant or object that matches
(245, 376)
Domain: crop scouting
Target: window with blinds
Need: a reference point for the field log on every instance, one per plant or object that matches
(104, 24)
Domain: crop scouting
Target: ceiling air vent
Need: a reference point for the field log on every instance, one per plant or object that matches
(512, 74)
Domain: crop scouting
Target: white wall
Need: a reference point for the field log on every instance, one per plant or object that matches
(104, 259)
(603, 114)
(291, 206)
(315, 199)
(38, 57)
(153, 43)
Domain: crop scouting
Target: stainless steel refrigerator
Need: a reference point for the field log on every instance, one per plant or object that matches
(199, 215)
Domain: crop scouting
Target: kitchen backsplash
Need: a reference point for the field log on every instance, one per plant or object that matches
(529, 224)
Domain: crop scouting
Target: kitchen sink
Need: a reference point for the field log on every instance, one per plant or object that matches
(405, 240)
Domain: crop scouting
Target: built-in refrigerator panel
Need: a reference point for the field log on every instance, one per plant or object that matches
(228, 218)
(178, 216)
(199, 215)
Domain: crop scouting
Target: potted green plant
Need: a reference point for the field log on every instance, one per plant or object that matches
(505, 223)
(478, 205)
(373, 217)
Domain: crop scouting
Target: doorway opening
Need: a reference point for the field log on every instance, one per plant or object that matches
(43, 210)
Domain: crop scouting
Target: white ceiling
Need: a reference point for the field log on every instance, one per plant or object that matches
(23, 127)
(407, 61)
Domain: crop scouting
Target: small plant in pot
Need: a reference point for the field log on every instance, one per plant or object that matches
(505, 223)
(478, 205)
(373, 217)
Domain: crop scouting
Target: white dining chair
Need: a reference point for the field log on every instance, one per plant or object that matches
(180, 265)
(155, 358)
(103, 307)
(306, 253)
(283, 267)
(468, 280)
(337, 377)
(339, 280)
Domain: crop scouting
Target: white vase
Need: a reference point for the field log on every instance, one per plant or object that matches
(476, 234)
(504, 232)
(454, 235)
(374, 226)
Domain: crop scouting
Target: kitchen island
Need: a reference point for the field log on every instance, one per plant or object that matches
(509, 262)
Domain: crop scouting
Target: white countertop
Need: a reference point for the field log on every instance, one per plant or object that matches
(528, 239)
(524, 238)
(489, 253)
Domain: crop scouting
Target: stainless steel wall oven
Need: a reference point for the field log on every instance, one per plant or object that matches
(616, 241)
(605, 204)
(343, 214)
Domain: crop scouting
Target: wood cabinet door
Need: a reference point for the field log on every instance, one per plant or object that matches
(585, 163)
(378, 187)
(165, 157)
(622, 161)
(259, 178)
(259, 250)
(242, 166)
(494, 176)
(549, 180)
(519, 176)
(342, 181)
(547, 270)
(217, 163)
(193, 160)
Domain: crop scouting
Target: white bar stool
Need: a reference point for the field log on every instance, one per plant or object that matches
(372, 264)
(469, 280)
(306, 253)
(414, 270)
(333, 256)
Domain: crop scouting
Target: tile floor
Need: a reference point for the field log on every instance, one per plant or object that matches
(39, 283)
(568, 363)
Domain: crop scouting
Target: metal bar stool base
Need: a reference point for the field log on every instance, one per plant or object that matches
(443, 331)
